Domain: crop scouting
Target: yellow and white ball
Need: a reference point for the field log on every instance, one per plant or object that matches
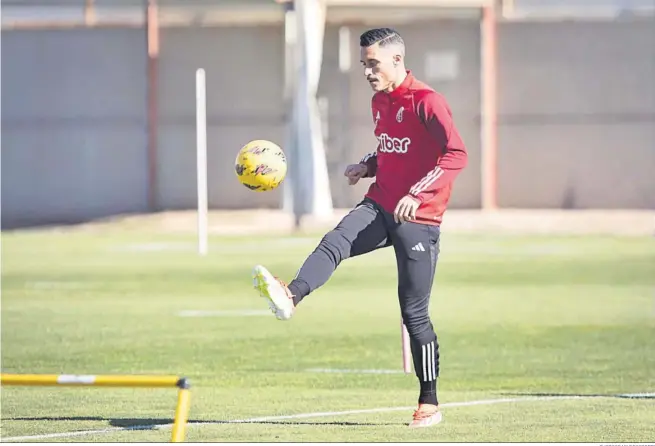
(261, 165)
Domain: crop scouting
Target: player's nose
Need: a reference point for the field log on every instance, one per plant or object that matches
(368, 71)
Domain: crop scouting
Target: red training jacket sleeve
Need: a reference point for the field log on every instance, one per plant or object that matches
(437, 117)
(370, 160)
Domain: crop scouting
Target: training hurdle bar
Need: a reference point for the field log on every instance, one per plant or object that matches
(147, 381)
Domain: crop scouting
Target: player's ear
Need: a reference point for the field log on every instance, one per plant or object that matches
(397, 59)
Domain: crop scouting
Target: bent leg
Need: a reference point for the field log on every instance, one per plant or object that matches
(362, 230)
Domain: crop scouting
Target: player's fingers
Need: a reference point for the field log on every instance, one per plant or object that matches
(407, 214)
(412, 212)
(396, 213)
(402, 212)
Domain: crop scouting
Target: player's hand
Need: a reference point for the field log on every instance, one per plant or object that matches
(355, 172)
(406, 209)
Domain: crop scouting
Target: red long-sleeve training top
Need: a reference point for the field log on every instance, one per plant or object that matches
(420, 151)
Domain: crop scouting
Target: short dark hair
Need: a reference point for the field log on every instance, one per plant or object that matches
(383, 36)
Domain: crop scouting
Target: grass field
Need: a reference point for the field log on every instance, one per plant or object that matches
(517, 317)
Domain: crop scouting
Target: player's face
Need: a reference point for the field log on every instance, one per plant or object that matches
(379, 67)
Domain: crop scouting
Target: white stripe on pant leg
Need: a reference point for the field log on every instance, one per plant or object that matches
(429, 361)
(423, 354)
(434, 361)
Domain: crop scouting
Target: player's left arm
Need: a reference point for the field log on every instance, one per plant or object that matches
(437, 117)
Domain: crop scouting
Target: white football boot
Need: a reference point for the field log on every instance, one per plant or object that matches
(279, 298)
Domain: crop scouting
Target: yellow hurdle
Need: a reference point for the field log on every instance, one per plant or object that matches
(149, 381)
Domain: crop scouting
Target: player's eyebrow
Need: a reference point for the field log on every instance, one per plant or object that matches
(369, 60)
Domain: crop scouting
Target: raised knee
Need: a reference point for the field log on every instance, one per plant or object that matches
(419, 326)
(336, 244)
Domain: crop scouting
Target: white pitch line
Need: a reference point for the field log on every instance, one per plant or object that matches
(76, 434)
(358, 371)
(637, 395)
(223, 313)
(287, 417)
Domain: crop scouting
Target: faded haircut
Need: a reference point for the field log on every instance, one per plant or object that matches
(383, 36)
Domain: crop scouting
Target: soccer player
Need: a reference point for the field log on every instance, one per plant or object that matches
(418, 156)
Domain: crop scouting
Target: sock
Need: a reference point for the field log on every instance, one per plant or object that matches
(299, 288)
(425, 353)
(428, 393)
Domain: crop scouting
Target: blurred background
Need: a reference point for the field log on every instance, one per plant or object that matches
(555, 100)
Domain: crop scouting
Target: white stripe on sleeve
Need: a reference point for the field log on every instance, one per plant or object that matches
(430, 178)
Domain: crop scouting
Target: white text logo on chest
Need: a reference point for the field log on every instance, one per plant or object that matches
(389, 144)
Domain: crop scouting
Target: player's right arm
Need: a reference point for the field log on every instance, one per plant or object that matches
(368, 165)
(366, 168)
(370, 160)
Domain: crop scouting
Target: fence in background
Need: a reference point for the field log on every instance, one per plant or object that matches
(576, 104)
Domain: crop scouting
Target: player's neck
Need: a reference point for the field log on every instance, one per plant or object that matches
(402, 75)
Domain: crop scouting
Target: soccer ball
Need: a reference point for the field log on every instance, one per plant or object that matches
(261, 165)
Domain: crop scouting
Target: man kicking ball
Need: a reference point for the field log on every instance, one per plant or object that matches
(419, 154)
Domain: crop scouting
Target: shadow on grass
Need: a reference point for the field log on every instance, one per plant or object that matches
(643, 395)
(155, 423)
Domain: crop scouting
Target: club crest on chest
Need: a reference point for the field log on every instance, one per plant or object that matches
(399, 115)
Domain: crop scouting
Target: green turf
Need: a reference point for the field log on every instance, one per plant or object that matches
(516, 316)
